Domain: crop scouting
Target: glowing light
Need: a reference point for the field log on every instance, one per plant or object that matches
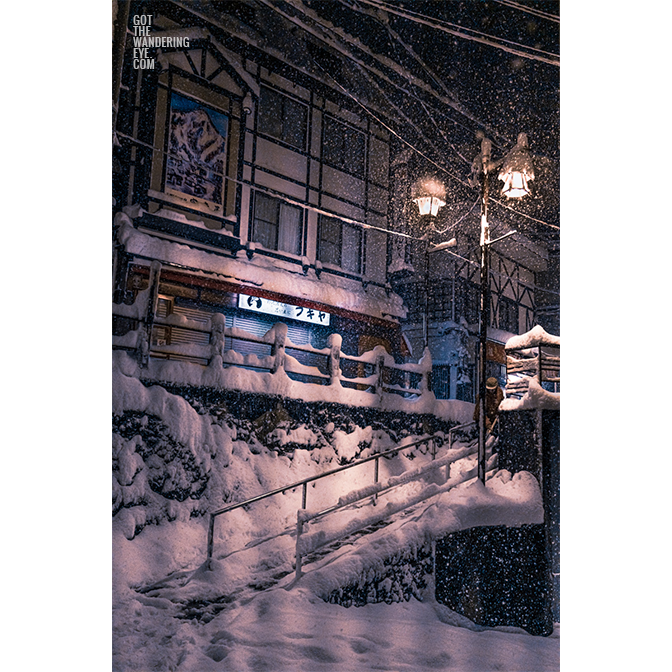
(429, 195)
(517, 170)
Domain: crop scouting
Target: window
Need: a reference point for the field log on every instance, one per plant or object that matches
(283, 118)
(340, 244)
(277, 225)
(467, 301)
(343, 147)
(508, 315)
(196, 150)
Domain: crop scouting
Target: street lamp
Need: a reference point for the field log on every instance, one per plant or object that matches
(429, 195)
(516, 172)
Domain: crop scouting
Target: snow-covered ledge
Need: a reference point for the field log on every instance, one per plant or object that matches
(535, 397)
(537, 336)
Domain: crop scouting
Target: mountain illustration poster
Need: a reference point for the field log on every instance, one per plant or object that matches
(197, 149)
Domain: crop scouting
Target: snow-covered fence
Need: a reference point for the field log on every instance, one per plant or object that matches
(183, 339)
(535, 354)
(431, 448)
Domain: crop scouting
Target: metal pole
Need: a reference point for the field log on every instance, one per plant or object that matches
(425, 323)
(485, 306)
(299, 531)
(211, 536)
(375, 479)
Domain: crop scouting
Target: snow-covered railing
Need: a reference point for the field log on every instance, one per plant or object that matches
(429, 442)
(535, 354)
(303, 517)
(182, 339)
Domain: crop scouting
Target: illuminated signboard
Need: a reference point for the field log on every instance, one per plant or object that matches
(259, 305)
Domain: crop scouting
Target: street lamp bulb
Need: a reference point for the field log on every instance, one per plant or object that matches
(517, 170)
(515, 185)
(429, 205)
(429, 195)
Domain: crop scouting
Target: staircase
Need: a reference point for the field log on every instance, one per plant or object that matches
(319, 538)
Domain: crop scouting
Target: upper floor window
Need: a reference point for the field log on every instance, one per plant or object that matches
(344, 147)
(277, 225)
(283, 118)
(340, 244)
(508, 315)
(196, 160)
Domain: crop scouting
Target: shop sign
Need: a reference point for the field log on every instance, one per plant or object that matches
(259, 305)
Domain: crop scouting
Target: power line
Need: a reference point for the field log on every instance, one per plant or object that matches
(391, 130)
(482, 38)
(529, 10)
(382, 60)
(424, 156)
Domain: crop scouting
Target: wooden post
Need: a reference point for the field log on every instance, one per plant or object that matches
(150, 311)
(299, 531)
(280, 330)
(380, 363)
(425, 364)
(211, 537)
(334, 342)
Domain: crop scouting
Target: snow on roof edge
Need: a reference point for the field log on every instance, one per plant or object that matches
(535, 337)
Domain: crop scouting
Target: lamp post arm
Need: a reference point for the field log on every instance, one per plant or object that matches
(506, 235)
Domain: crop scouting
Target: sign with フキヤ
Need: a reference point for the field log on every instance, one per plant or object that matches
(259, 305)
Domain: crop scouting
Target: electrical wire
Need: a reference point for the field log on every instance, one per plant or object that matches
(482, 38)
(454, 224)
(411, 79)
(395, 40)
(348, 220)
(427, 158)
(529, 10)
(274, 193)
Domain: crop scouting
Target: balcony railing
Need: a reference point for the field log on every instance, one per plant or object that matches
(214, 345)
(532, 355)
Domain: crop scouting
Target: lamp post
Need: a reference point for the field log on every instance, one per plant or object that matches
(517, 171)
(429, 195)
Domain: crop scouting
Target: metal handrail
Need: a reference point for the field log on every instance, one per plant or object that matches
(304, 483)
(303, 517)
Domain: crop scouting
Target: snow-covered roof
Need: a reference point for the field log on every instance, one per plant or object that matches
(533, 338)
(261, 272)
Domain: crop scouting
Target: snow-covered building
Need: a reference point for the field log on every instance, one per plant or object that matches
(258, 176)
(261, 192)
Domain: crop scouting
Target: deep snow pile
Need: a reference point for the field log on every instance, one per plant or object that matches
(173, 464)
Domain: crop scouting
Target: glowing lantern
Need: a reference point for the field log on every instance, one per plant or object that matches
(517, 170)
(429, 195)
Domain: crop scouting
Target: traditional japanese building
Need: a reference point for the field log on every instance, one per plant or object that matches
(258, 176)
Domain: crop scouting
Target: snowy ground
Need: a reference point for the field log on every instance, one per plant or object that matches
(293, 630)
(288, 626)
(244, 610)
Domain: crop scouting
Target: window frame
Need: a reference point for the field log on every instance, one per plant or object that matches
(286, 103)
(279, 204)
(341, 224)
(341, 158)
